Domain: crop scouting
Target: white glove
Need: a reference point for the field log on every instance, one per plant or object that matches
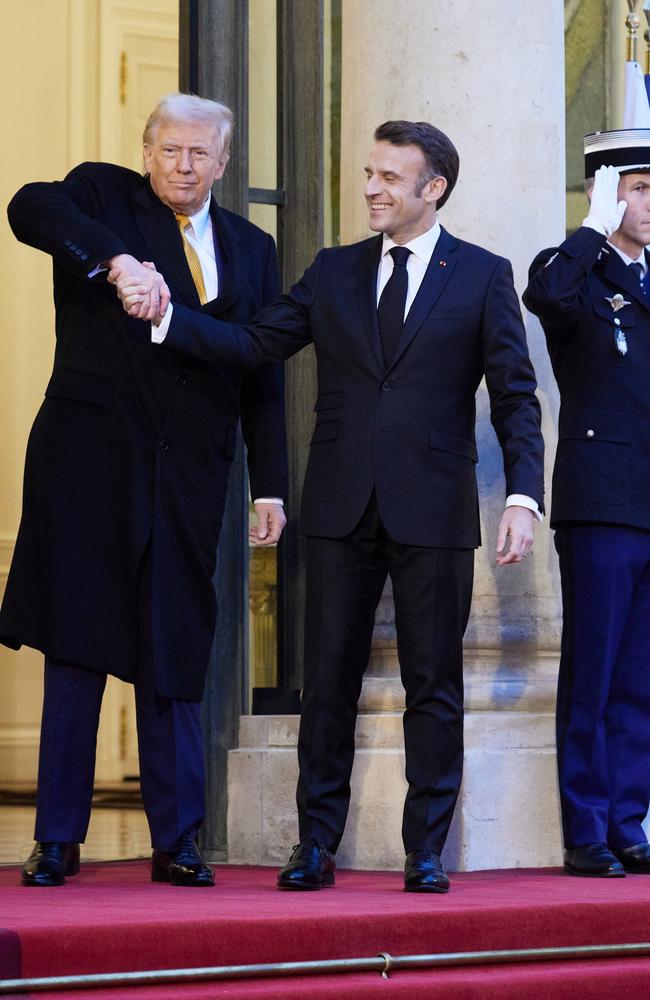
(605, 212)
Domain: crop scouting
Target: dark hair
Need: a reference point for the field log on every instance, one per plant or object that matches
(440, 154)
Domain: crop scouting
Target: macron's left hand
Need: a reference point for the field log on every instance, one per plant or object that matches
(517, 525)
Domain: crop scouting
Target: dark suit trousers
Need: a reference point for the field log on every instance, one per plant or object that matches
(432, 594)
(603, 706)
(170, 745)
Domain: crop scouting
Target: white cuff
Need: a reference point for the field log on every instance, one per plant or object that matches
(158, 333)
(598, 225)
(521, 500)
(269, 500)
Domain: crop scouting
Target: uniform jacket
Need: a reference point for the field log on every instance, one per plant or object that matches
(406, 429)
(130, 452)
(602, 466)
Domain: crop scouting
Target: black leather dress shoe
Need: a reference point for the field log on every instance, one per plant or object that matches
(184, 866)
(50, 862)
(311, 866)
(634, 859)
(423, 872)
(592, 859)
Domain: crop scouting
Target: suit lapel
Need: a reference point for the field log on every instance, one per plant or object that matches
(367, 267)
(437, 274)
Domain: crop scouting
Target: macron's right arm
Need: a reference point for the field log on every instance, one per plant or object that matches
(279, 330)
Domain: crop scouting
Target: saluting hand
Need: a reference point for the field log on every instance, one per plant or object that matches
(605, 211)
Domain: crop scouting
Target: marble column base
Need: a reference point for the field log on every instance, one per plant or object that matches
(507, 815)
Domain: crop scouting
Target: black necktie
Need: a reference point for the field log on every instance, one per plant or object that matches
(390, 310)
(636, 267)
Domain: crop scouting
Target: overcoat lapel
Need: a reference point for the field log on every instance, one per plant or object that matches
(233, 265)
(442, 263)
(160, 230)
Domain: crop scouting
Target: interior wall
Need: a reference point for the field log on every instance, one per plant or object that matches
(46, 129)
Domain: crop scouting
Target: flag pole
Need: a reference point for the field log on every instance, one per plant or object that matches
(632, 23)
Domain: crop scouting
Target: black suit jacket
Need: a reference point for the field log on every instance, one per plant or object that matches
(407, 429)
(131, 450)
(602, 467)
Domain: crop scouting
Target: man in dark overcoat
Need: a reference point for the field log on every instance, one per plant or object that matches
(126, 475)
(405, 326)
(591, 296)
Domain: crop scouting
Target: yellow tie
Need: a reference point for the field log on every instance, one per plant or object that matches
(192, 258)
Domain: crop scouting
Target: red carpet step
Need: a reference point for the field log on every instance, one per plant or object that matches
(111, 918)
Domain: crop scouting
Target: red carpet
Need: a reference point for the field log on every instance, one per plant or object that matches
(110, 918)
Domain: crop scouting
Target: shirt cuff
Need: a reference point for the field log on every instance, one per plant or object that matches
(158, 333)
(97, 270)
(521, 500)
(269, 500)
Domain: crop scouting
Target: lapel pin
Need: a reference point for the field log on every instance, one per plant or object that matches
(617, 301)
(443, 263)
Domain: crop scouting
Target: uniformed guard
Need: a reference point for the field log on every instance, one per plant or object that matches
(591, 296)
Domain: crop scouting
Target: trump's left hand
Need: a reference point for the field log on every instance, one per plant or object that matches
(271, 520)
(516, 524)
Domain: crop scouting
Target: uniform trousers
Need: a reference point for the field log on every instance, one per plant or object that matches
(432, 594)
(603, 704)
(170, 746)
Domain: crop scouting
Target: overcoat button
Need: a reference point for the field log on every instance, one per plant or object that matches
(164, 445)
(590, 433)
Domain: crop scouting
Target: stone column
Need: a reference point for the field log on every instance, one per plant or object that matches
(496, 86)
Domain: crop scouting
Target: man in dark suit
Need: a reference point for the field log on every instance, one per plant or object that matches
(405, 325)
(126, 475)
(591, 297)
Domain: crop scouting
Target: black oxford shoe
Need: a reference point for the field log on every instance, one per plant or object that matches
(595, 860)
(184, 866)
(311, 866)
(634, 859)
(423, 872)
(50, 862)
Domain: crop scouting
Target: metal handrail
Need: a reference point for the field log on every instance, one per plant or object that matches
(383, 964)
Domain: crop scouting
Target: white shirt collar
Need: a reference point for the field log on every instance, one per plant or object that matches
(630, 260)
(422, 246)
(200, 219)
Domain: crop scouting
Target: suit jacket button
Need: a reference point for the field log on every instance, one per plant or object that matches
(386, 386)
(164, 445)
(591, 433)
(181, 380)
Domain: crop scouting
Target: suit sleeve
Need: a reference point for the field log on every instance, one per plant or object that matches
(278, 331)
(61, 218)
(514, 407)
(557, 279)
(262, 409)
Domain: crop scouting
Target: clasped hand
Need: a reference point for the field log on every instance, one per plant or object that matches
(142, 290)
